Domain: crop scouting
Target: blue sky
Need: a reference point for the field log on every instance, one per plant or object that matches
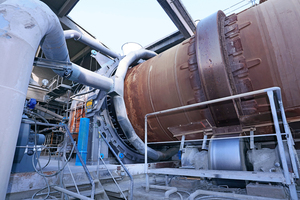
(115, 22)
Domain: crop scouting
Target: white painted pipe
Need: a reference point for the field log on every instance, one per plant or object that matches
(23, 24)
(169, 190)
(120, 106)
(87, 77)
(90, 42)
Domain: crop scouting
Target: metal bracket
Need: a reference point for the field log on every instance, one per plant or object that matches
(66, 67)
(182, 142)
(204, 145)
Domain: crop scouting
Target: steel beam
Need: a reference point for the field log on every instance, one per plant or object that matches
(179, 15)
(235, 175)
(67, 7)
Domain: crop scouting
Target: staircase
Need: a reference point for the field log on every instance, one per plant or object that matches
(84, 188)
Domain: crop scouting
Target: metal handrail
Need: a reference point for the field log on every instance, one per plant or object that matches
(126, 170)
(82, 163)
(113, 178)
(100, 158)
(270, 92)
(75, 184)
(79, 156)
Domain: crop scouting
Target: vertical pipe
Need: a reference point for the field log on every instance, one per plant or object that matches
(93, 43)
(252, 146)
(182, 142)
(23, 24)
(82, 140)
(204, 141)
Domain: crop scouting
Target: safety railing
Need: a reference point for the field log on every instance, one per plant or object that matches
(274, 94)
(121, 163)
(82, 162)
(58, 188)
(57, 80)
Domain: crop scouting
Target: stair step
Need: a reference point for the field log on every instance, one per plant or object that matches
(80, 183)
(87, 193)
(113, 191)
(109, 177)
(116, 195)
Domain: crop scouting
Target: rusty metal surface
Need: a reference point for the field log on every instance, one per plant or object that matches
(212, 68)
(161, 83)
(256, 49)
(192, 128)
(76, 113)
(269, 56)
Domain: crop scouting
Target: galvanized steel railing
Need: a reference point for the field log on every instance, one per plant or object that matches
(271, 92)
(63, 190)
(124, 167)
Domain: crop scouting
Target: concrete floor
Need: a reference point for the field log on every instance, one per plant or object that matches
(24, 185)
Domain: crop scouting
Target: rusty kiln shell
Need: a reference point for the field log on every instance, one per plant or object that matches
(252, 50)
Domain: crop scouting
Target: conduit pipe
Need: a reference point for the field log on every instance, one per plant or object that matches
(90, 42)
(120, 106)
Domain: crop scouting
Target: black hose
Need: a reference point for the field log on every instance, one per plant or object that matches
(49, 159)
(36, 114)
(34, 153)
(47, 129)
(45, 175)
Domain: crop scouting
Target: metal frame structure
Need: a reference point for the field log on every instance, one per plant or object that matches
(88, 174)
(121, 163)
(287, 178)
(179, 15)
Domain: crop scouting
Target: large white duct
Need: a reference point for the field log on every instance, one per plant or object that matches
(120, 106)
(23, 25)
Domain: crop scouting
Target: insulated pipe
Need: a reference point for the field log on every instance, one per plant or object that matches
(23, 24)
(130, 58)
(89, 78)
(120, 107)
(90, 42)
